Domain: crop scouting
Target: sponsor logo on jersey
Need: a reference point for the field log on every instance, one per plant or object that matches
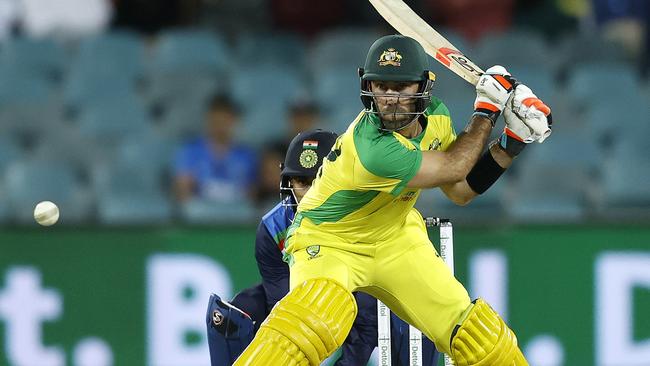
(217, 318)
(390, 57)
(434, 145)
(407, 196)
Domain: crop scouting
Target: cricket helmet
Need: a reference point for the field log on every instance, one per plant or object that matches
(397, 58)
(303, 159)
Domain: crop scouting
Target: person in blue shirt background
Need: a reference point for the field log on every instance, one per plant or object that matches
(231, 326)
(214, 167)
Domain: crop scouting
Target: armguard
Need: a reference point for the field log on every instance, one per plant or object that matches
(484, 173)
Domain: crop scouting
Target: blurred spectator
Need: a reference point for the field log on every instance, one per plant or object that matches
(269, 182)
(307, 17)
(551, 18)
(623, 21)
(214, 167)
(303, 116)
(150, 16)
(64, 17)
(8, 17)
(470, 18)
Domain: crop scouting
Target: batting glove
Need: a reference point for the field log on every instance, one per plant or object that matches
(519, 131)
(533, 112)
(493, 90)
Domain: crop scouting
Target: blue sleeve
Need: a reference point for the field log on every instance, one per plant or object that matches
(362, 339)
(274, 272)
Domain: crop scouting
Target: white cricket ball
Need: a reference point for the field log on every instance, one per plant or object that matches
(46, 213)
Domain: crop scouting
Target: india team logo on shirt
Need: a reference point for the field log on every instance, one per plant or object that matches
(390, 57)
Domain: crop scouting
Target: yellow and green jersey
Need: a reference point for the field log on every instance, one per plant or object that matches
(360, 194)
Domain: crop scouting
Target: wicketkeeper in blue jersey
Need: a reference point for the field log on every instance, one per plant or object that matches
(231, 326)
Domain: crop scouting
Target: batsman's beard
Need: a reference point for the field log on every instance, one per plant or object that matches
(397, 117)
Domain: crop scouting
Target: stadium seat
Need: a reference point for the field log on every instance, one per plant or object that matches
(541, 81)
(19, 87)
(9, 152)
(43, 58)
(27, 102)
(342, 48)
(146, 208)
(514, 47)
(276, 48)
(109, 120)
(182, 90)
(264, 93)
(180, 121)
(567, 145)
(178, 51)
(488, 207)
(576, 49)
(151, 149)
(608, 124)
(337, 92)
(551, 192)
(206, 212)
(130, 192)
(119, 54)
(83, 88)
(105, 65)
(625, 179)
(585, 83)
(31, 181)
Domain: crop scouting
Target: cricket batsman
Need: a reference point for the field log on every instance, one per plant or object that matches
(231, 326)
(356, 228)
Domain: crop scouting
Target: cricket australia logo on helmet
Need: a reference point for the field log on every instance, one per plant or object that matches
(390, 57)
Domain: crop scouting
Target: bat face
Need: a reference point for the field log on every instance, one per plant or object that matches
(447, 56)
(408, 23)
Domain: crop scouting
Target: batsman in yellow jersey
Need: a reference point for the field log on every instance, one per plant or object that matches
(356, 228)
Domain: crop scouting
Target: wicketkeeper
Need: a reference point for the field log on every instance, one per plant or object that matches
(231, 326)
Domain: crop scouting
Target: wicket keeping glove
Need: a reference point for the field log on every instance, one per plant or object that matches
(493, 90)
(519, 131)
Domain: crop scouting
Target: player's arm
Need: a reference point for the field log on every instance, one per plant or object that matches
(441, 168)
(521, 112)
(274, 272)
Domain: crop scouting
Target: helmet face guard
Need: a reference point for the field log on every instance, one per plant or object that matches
(288, 191)
(422, 99)
(396, 58)
(287, 195)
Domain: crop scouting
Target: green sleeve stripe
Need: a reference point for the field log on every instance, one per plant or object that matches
(339, 205)
(382, 154)
(400, 187)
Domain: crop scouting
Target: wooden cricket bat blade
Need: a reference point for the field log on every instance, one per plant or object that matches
(408, 23)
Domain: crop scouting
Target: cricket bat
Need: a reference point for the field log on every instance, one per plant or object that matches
(408, 23)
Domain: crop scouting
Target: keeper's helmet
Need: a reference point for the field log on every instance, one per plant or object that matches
(397, 58)
(303, 159)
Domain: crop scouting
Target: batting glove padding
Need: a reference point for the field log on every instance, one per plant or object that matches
(493, 90)
(530, 110)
